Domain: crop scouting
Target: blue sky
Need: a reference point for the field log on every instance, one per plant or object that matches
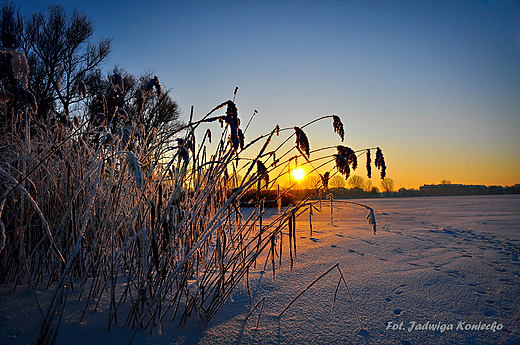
(435, 84)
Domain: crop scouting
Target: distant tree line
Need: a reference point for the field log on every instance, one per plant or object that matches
(461, 189)
(357, 187)
(448, 189)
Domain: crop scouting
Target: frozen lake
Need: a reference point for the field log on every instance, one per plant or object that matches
(436, 268)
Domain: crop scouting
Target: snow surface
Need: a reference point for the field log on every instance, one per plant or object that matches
(441, 260)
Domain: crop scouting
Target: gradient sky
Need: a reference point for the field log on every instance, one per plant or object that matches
(435, 84)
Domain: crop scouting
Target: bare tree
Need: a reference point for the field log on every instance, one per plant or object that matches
(356, 181)
(123, 100)
(11, 83)
(311, 181)
(387, 185)
(60, 56)
(11, 27)
(337, 181)
(368, 186)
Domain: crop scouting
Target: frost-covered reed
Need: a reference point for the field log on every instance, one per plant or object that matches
(155, 232)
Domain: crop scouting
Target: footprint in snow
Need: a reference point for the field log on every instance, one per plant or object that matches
(370, 242)
(455, 274)
(448, 231)
(400, 286)
(488, 312)
(418, 238)
(399, 292)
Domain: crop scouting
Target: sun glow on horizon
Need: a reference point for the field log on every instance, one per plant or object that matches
(298, 174)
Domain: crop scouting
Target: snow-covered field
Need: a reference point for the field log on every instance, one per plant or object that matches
(448, 264)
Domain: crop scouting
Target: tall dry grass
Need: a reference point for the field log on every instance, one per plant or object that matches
(154, 231)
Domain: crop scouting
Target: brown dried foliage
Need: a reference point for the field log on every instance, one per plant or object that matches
(302, 142)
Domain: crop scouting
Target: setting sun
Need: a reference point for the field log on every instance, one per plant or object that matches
(298, 173)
